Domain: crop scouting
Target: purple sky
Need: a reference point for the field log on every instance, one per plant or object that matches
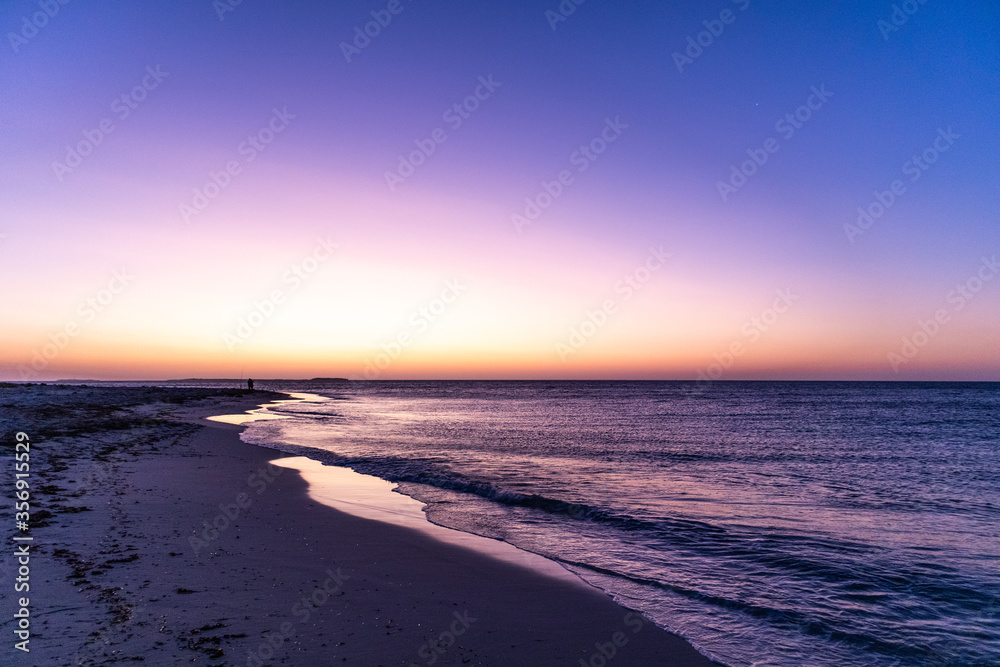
(498, 190)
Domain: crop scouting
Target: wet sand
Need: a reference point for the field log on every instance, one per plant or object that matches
(165, 539)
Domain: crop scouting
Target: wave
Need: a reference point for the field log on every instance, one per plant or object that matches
(782, 618)
(771, 552)
(798, 586)
(775, 551)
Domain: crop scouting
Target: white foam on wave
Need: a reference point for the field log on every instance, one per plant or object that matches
(374, 498)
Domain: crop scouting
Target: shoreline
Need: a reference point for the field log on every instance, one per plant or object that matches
(372, 497)
(197, 548)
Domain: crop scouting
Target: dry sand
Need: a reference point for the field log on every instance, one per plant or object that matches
(116, 576)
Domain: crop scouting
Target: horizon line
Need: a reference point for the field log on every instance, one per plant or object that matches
(486, 379)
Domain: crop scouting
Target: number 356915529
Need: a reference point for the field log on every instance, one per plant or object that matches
(23, 455)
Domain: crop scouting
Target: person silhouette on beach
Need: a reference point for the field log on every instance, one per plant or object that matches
(250, 384)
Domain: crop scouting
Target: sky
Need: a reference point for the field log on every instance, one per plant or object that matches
(378, 189)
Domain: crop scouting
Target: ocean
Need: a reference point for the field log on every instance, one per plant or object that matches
(769, 523)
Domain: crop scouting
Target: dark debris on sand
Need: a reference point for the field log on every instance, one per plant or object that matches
(80, 436)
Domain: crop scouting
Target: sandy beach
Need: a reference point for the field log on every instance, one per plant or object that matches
(583, 334)
(160, 537)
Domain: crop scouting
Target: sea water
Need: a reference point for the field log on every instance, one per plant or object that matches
(769, 523)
